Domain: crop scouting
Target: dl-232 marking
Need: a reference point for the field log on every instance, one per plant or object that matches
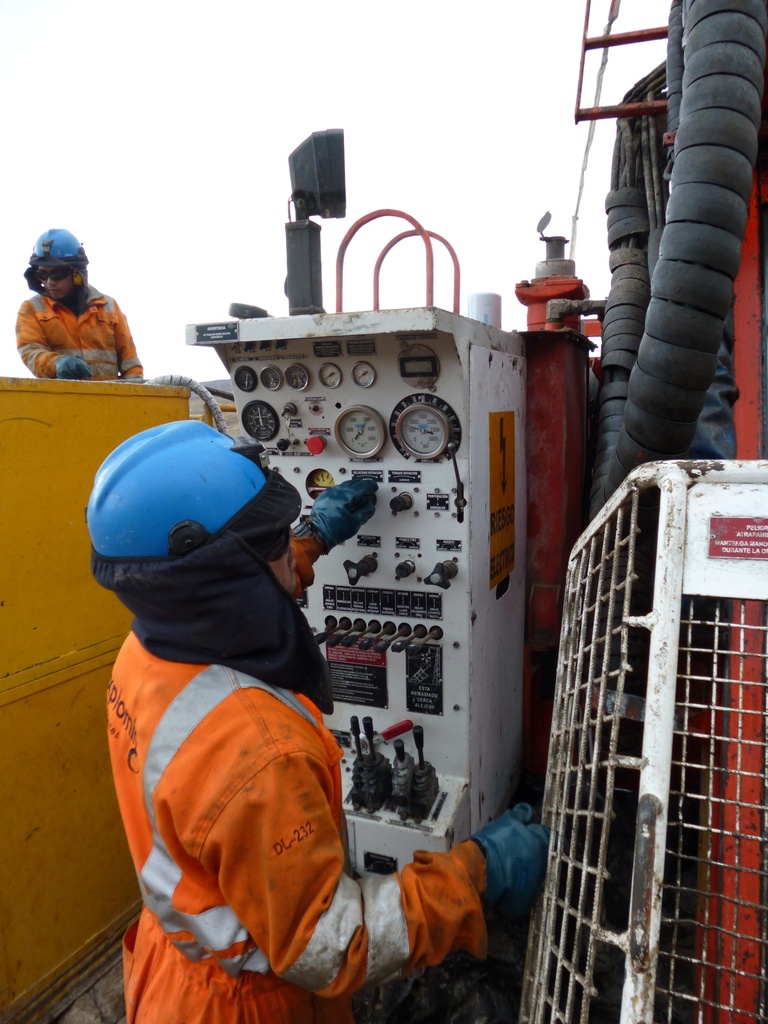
(298, 835)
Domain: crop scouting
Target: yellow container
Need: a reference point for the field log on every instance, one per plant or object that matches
(67, 885)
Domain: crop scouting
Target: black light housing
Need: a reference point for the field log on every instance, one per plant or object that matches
(318, 188)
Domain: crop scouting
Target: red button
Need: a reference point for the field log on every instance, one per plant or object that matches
(316, 444)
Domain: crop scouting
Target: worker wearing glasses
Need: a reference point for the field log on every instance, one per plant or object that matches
(69, 329)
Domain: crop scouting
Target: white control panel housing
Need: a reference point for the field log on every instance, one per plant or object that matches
(431, 405)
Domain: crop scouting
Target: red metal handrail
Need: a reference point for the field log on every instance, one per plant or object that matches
(417, 230)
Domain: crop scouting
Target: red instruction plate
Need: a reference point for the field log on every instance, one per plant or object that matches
(732, 537)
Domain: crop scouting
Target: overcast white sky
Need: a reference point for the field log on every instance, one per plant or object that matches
(158, 132)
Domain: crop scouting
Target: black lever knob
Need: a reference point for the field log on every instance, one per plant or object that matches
(364, 567)
(442, 574)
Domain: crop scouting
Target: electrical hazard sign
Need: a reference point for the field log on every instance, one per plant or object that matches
(501, 506)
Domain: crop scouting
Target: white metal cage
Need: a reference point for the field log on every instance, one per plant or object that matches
(655, 904)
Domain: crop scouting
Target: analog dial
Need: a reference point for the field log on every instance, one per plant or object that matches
(422, 426)
(245, 378)
(260, 421)
(360, 431)
(318, 481)
(363, 374)
(271, 378)
(297, 377)
(330, 375)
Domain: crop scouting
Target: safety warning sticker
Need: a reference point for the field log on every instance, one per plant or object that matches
(735, 537)
(501, 454)
(358, 677)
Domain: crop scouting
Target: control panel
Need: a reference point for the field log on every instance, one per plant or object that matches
(420, 616)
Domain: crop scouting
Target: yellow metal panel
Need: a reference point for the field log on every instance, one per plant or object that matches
(67, 885)
(53, 437)
(67, 873)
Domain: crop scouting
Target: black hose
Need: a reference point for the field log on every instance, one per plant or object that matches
(700, 250)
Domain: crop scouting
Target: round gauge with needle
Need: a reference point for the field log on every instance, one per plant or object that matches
(319, 480)
(260, 421)
(423, 425)
(363, 374)
(297, 376)
(245, 378)
(360, 431)
(271, 378)
(330, 375)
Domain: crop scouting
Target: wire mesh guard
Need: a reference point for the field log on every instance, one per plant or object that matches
(655, 899)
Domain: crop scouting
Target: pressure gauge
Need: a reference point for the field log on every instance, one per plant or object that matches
(330, 375)
(363, 374)
(360, 431)
(297, 377)
(319, 480)
(423, 425)
(271, 378)
(260, 421)
(245, 378)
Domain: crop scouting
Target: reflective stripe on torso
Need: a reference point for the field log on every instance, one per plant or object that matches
(217, 928)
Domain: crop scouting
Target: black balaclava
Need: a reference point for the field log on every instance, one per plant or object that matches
(221, 604)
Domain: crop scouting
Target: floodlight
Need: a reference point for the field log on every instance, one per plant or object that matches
(317, 176)
(318, 189)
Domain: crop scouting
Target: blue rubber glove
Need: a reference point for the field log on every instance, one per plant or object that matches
(515, 860)
(339, 512)
(72, 368)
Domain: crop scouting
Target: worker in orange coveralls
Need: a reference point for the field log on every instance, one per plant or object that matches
(228, 782)
(69, 329)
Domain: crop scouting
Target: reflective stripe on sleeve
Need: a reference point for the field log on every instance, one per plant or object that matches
(388, 946)
(326, 952)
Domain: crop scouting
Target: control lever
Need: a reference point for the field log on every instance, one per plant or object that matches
(330, 625)
(364, 567)
(401, 502)
(442, 574)
(402, 779)
(404, 568)
(345, 625)
(424, 637)
(459, 501)
(368, 641)
(371, 775)
(354, 725)
(403, 633)
(402, 630)
(358, 628)
(425, 783)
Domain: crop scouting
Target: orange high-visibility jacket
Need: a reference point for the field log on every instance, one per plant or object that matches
(230, 793)
(100, 336)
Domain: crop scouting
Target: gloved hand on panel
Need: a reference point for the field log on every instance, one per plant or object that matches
(339, 512)
(516, 860)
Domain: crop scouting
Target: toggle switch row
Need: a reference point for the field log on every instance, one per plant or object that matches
(346, 632)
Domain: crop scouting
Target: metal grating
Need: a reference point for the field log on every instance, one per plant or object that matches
(655, 900)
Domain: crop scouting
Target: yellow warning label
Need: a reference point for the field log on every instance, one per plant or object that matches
(501, 468)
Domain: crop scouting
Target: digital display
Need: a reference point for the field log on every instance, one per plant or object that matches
(423, 366)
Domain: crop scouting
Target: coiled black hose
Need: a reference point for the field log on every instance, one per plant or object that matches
(700, 250)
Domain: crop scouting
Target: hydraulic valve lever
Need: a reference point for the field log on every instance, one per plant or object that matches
(364, 567)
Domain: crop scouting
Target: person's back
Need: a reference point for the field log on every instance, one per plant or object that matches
(69, 329)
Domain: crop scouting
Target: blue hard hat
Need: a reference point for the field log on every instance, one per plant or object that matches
(169, 489)
(58, 245)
